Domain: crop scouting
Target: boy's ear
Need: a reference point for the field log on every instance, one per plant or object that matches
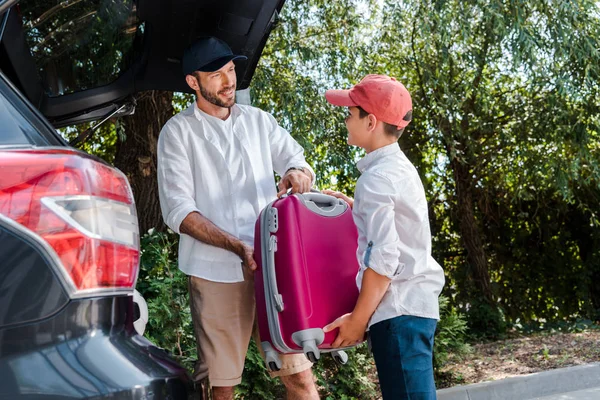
(372, 122)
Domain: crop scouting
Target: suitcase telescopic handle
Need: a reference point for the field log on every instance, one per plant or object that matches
(271, 275)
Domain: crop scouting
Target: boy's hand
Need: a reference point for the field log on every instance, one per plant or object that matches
(298, 181)
(339, 195)
(351, 331)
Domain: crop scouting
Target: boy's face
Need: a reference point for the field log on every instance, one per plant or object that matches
(358, 132)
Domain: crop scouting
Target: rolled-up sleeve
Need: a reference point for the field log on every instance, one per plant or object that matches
(175, 178)
(285, 151)
(375, 205)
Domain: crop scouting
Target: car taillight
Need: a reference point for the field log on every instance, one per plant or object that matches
(82, 208)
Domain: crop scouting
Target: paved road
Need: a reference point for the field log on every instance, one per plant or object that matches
(587, 394)
(581, 382)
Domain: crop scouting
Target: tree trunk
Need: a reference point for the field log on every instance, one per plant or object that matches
(136, 156)
(470, 231)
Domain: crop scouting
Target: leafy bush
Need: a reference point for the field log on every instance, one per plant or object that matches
(451, 334)
(339, 382)
(450, 340)
(353, 380)
(165, 289)
(571, 325)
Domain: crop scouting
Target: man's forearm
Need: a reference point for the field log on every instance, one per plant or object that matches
(372, 290)
(201, 228)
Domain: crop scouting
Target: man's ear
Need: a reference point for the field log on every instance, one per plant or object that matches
(192, 82)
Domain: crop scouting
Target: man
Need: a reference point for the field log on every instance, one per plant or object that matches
(215, 175)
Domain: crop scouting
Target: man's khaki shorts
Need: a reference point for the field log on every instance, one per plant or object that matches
(224, 316)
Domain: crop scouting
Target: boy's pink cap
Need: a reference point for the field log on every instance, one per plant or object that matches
(380, 95)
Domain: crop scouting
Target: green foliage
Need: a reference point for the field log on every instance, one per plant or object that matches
(350, 381)
(165, 289)
(315, 46)
(102, 143)
(576, 325)
(256, 383)
(87, 43)
(450, 340)
(507, 95)
(353, 380)
(450, 335)
(505, 136)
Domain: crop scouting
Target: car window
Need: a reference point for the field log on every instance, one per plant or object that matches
(80, 44)
(14, 130)
(20, 124)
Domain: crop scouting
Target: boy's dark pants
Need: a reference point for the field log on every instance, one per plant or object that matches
(403, 352)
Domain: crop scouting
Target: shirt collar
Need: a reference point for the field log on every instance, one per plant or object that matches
(199, 114)
(368, 160)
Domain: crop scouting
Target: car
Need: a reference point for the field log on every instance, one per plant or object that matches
(69, 236)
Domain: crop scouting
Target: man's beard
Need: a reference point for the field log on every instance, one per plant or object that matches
(212, 98)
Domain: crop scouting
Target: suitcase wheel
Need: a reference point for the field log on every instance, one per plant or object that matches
(340, 357)
(271, 357)
(312, 357)
(273, 366)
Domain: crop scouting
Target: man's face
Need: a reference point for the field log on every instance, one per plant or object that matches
(218, 87)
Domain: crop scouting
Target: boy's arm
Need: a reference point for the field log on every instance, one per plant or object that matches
(353, 326)
(375, 207)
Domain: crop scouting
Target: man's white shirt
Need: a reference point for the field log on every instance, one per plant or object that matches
(390, 212)
(224, 171)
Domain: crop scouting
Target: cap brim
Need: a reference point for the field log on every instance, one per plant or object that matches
(220, 62)
(339, 98)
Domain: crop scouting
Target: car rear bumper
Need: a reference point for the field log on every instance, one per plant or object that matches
(89, 350)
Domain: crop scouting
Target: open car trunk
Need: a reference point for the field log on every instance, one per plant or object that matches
(79, 60)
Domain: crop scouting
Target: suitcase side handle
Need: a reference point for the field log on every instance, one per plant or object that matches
(271, 276)
(323, 204)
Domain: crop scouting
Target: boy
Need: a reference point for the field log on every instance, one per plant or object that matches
(399, 281)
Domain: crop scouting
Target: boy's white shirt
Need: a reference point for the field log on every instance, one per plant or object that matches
(390, 211)
(224, 171)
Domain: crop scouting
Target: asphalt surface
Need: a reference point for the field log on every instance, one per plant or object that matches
(581, 382)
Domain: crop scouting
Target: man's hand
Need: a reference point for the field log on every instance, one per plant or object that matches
(339, 195)
(246, 253)
(299, 181)
(351, 331)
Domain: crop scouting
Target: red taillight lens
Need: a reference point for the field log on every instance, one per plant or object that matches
(82, 208)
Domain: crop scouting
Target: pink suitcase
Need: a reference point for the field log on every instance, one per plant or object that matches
(305, 249)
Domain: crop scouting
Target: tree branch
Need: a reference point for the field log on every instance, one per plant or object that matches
(414, 51)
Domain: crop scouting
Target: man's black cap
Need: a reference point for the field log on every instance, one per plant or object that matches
(207, 55)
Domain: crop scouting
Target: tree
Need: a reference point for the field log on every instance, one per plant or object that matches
(136, 154)
(500, 85)
(505, 135)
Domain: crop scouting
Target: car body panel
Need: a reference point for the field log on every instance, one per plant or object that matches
(88, 350)
(30, 292)
(54, 345)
